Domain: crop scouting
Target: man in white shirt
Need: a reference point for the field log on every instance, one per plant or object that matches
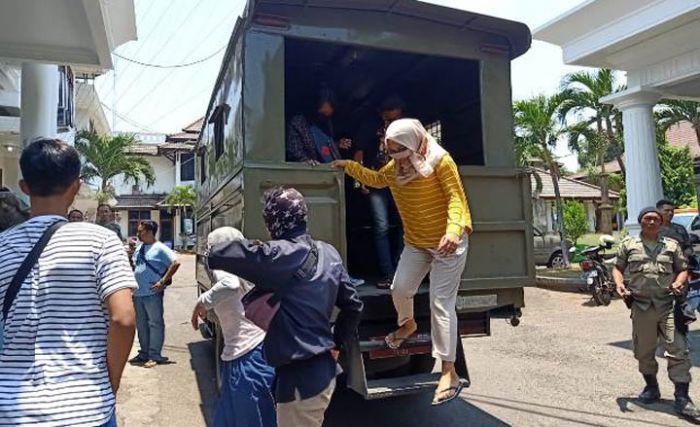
(246, 393)
(70, 327)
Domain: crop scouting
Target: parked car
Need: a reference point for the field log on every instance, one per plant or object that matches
(691, 221)
(548, 249)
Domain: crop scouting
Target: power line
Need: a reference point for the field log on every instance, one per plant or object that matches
(187, 64)
(129, 120)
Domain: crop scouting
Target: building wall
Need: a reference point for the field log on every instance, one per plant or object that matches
(165, 178)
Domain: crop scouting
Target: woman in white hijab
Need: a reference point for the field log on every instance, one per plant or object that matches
(246, 397)
(427, 188)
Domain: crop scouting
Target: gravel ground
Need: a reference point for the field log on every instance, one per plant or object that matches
(568, 364)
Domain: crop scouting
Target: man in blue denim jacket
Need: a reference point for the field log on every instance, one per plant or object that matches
(300, 343)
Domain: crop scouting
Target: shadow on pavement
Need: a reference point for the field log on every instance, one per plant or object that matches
(350, 409)
(693, 346)
(202, 363)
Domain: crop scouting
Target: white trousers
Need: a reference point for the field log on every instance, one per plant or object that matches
(445, 276)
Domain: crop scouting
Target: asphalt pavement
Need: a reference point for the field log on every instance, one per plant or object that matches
(569, 363)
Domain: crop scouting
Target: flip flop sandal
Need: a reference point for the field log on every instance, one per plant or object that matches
(454, 393)
(394, 342)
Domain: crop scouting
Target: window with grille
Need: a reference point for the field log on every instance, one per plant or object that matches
(435, 130)
(186, 167)
(135, 217)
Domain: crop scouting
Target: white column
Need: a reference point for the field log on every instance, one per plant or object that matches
(39, 109)
(643, 178)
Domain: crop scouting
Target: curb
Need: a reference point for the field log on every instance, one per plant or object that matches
(560, 284)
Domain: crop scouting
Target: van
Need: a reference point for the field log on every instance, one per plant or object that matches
(452, 69)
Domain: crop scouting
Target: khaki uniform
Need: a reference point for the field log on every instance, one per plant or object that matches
(653, 267)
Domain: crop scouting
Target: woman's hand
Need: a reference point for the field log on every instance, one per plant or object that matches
(199, 312)
(345, 144)
(448, 244)
(339, 164)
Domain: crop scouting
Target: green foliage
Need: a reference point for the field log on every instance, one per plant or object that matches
(106, 156)
(575, 219)
(677, 174)
(672, 111)
(182, 196)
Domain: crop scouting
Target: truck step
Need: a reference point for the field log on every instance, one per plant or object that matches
(379, 344)
(391, 387)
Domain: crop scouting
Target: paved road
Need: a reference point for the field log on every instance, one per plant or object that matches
(567, 364)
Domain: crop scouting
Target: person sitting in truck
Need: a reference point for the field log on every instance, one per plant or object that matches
(311, 138)
(246, 397)
(429, 194)
(300, 342)
(370, 151)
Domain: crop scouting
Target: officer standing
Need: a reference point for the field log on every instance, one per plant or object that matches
(658, 272)
(672, 230)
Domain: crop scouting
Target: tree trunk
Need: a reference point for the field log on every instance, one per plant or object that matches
(605, 225)
(554, 173)
(613, 142)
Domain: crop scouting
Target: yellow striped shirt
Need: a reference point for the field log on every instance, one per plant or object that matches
(429, 207)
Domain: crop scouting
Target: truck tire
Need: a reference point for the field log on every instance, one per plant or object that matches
(218, 349)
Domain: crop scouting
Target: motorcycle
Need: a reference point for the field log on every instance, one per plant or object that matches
(599, 281)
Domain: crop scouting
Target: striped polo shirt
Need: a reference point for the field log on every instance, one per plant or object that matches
(53, 365)
(429, 207)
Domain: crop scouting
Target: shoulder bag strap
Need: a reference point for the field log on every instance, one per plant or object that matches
(26, 267)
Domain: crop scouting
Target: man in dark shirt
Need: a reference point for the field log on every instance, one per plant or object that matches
(299, 344)
(106, 219)
(371, 152)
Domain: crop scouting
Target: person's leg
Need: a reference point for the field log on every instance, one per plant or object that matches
(413, 266)
(253, 401)
(112, 422)
(225, 415)
(263, 376)
(156, 326)
(645, 339)
(305, 413)
(379, 203)
(141, 329)
(445, 278)
(678, 359)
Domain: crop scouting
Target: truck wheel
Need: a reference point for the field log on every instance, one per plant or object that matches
(218, 349)
(421, 364)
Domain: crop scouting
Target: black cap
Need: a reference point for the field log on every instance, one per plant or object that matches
(647, 210)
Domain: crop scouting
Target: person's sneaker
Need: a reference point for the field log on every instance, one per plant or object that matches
(150, 364)
(138, 360)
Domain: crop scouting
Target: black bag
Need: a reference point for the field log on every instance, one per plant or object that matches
(22, 273)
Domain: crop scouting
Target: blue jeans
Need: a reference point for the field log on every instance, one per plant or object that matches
(150, 326)
(246, 398)
(112, 421)
(381, 203)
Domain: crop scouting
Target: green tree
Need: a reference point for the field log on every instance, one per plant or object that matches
(183, 198)
(106, 156)
(672, 111)
(596, 131)
(575, 219)
(537, 130)
(677, 174)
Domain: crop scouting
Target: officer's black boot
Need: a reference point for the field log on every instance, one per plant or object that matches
(651, 392)
(685, 406)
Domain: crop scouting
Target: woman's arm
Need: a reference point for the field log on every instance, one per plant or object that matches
(375, 179)
(459, 218)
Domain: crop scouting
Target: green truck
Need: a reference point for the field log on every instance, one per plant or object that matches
(452, 68)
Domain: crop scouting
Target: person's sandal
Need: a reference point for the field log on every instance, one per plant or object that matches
(454, 393)
(150, 364)
(394, 342)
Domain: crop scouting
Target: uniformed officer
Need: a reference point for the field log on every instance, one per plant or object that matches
(658, 272)
(671, 229)
(12, 210)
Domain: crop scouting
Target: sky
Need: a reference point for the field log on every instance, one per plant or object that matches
(174, 32)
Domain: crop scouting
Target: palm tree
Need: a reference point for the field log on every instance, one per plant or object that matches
(106, 156)
(672, 111)
(183, 198)
(599, 126)
(537, 130)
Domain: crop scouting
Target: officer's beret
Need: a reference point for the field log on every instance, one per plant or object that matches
(650, 209)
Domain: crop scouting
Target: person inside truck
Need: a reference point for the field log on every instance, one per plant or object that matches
(429, 194)
(370, 151)
(246, 391)
(311, 137)
(309, 280)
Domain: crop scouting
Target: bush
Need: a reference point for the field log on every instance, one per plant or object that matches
(575, 220)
